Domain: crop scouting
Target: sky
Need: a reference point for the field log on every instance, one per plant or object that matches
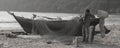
(74, 6)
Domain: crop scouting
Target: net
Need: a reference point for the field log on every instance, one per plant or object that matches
(43, 27)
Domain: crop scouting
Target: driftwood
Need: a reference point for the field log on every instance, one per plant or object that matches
(4, 33)
(23, 36)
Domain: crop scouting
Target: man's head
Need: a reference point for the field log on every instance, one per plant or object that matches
(87, 11)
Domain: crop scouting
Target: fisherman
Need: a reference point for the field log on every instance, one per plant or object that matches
(102, 15)
(86, 23)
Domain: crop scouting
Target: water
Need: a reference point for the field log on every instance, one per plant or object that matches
(113, 19)
(13, 25)
(10, 27)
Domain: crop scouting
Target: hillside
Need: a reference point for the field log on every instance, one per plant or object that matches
(68, 6)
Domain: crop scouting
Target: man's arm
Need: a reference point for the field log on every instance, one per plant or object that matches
(92, 17)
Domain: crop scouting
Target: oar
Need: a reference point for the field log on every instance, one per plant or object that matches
(34, 16)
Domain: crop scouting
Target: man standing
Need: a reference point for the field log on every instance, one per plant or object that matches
(85, 30)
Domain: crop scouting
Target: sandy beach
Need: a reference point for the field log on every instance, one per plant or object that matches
(110, 41)
(57, 23)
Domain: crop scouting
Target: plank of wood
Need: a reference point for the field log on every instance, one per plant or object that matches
(29, 36)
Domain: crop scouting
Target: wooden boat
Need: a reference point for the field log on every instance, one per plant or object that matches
(54, 26)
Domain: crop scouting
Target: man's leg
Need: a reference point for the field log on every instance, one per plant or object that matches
(91, 28)
(102, 29)
(86, 33)
(83, 33)
(93, 33)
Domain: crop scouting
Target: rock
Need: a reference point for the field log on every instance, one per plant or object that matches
(49, 42)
